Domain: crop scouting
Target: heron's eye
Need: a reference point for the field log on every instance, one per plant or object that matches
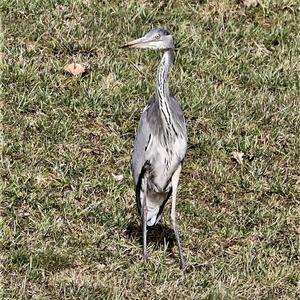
(157, 36)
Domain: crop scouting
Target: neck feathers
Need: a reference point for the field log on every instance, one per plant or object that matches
(162, 87)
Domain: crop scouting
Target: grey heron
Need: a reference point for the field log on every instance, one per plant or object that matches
(160, 143)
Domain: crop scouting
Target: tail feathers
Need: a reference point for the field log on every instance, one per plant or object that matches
(141, 185)
(155, 200)
(154, 203)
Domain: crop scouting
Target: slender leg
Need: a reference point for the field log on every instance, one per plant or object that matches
(175, 180)
(145, 256)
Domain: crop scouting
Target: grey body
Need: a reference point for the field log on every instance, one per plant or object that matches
(160, 143)
(160, 152)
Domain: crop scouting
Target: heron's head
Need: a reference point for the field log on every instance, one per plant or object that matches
(159, 39)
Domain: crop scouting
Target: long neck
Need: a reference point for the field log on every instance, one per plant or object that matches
(162, 87)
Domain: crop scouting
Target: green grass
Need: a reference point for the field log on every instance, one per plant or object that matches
(69, 230)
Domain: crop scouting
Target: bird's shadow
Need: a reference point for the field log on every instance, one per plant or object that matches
(158, 236)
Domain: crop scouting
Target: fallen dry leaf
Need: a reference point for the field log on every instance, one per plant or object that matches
(75, 69)
(24, 214)
(238, 157)
(249, 3)
(118, 178)
(297, 179)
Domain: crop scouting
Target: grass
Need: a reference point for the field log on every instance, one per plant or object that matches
(69, 230)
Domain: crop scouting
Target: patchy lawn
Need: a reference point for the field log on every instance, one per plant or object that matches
(69, 230)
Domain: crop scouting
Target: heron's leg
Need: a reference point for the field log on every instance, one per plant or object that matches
(143, 196)
(144, 219)
(175, 179)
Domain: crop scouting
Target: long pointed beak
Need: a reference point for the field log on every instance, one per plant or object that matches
(138, 43)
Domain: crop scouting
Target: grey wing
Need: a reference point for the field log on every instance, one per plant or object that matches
(178, 117)
(141, 142)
